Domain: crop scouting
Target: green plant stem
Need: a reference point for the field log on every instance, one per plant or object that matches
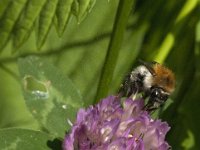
(121, 19)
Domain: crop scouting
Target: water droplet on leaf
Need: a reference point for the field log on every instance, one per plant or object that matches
(35, 87)
(40, 94)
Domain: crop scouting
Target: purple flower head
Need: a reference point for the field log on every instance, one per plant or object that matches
(111, 125)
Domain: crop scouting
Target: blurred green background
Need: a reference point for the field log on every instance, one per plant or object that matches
(165, 31)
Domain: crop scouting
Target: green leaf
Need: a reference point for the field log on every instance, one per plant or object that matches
(81, 8)
(26, 21)
(3, 6)
(63, 13)
(45, 21)
(24, 139)
(51, 97)
(9, 19)
(17, 18)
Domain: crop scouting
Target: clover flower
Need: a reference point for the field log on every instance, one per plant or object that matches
(110, 125)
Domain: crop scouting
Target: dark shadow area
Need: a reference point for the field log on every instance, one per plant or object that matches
(56, 144)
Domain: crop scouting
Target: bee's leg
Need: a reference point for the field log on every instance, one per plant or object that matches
(151, 110)
(125, 88)
(130, 86)
(144, 96)
(133, 89)
(151, 105)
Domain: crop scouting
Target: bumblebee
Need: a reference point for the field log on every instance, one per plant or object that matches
(154, 80)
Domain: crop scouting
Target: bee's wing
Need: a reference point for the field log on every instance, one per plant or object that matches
(149, 65)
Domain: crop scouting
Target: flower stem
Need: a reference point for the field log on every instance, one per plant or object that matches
(121, 19)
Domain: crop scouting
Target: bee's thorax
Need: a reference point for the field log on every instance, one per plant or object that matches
(142, 74)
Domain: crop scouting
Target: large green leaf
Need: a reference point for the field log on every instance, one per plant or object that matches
(26, 21)
(81, 8)
(24, 139)
(18, 18)
(63, 13)
(45, 21)
(50, 96)
(9, 19)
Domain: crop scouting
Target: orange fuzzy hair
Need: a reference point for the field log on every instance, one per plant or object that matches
(164, 78)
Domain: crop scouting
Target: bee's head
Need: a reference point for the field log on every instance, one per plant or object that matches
(158, 94)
